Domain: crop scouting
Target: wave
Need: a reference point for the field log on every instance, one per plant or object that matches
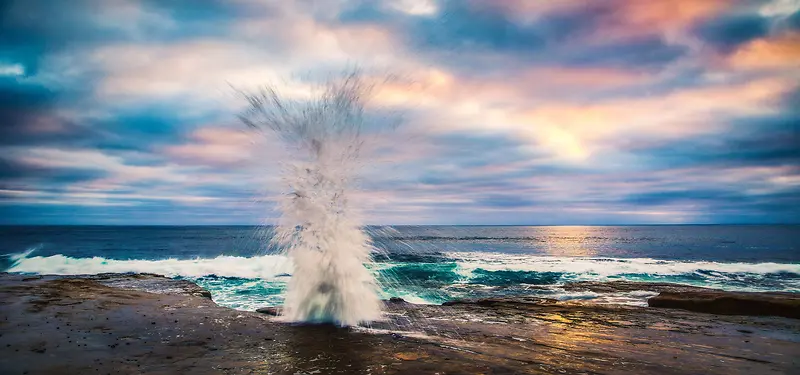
(470, 261)
(478, 268)
(247, 283)
(262, 267)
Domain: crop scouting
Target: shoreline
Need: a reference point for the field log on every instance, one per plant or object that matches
(144, 323)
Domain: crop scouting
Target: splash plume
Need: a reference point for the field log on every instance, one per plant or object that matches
(318, 226)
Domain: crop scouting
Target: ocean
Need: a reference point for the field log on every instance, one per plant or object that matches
(429, 264)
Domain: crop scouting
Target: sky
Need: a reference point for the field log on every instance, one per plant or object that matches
(513, 112)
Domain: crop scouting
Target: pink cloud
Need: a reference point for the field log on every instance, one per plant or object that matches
(216, 146)
(623, 18)
(432, 86)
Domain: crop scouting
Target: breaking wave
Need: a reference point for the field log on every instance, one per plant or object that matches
(250, 282)
(263, 267)
(607, 267)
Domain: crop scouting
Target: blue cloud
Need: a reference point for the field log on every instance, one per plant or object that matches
(20, 105)
(645, 53)
(729, 31)
(657, 198)
(138, 131)
(462, 27)
(728, 205)
(31, 30)
(511, 200)
(461, 31)
(754, 141)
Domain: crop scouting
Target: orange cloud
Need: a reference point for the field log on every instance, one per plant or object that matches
(532, 108)
(782, 52)
(583, 77)
(576, 131)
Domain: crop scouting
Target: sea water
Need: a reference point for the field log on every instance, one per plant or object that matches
(428, 264)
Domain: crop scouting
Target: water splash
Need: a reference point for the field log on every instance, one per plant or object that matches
(318, 226)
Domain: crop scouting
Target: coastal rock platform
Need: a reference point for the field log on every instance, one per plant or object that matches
(148, 324)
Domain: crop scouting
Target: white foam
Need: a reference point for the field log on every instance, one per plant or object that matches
(17, 257)
(318, 225)
(269, 267)
(468, 262)
(263, 267)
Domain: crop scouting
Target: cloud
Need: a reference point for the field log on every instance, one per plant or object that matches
(663, 16)
(28, 114)
(574, 130)
(572, 111)
(729, 31)
(92, 159)
(20, 173)
(779, 52)
(194, 69)
(739, 192)
(12, 70)
(752, 141)
(216, 146)
(442, 89)
(202, 69)
(33, 30)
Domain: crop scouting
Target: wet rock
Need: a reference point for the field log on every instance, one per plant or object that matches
(501, 335)
(150, 283)
(409, 356)
(628, 286)
(520, 302)
(270, 310)
(731, 303)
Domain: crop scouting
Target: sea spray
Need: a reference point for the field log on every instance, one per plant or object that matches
(318, 226)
